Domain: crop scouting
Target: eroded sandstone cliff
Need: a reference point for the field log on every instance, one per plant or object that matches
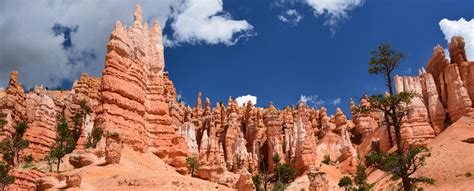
(135, 101)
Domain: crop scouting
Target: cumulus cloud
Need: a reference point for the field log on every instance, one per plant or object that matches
(462, 28)
(313, 100)
(291, 16)
(243, 100)
(50, 42)
(316, 101)
(205, 21)
(335, 11)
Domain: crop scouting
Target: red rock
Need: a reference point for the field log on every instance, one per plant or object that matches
(417, 128)
(25, 179)
(459, 103)
(13, 105)
(436, 66)
(80, 159)
(73, 180)
(113, 147)
(436, 110)
(274, 142)
(135, 91)
(41, 133)
(456, 50)
(245, 182)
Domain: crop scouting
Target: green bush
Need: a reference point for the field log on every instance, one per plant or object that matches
(279, 186)
(345, 183)
(327, 160)
(257, 181)
(5, 178)
(193, 164)
(284, 173)
(94, 137)
(11, 147)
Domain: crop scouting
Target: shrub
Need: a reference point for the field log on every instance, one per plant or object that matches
(327, 160)
(285, 173)
(257, 181)
(279, 186)
(193, 164)
(276, 158)
(468, 174)
(345, 183)
(94, 137)
(5, 178)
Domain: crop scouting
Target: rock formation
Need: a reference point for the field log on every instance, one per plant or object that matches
(133, 98)
(135, 103)
(113, 147)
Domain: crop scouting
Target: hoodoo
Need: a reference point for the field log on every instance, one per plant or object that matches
(134, 104)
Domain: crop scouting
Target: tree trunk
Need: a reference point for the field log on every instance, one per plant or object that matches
(17, 157)
(406, 184)
(388, 129)
(398, 136)
(59, 162)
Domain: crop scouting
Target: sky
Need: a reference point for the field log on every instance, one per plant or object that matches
(285, 51)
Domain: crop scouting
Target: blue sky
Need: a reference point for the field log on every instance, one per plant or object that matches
(321, 52)
(283, 62)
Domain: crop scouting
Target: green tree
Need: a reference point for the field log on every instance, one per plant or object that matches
(346, 183)
(64, 141)
(285, 173)
(383, 62)
(5, 178)
(193, 164)
(79, 120)
(11, 147)
(49, 159)
(276, 158)
(413, 160)
(279, 186)
(264, 172)
(360, 178)
(94, 137)
(257, 181)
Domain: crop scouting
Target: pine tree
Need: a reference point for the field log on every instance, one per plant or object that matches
(64, 141)
(383, 62)
(5, 178)
(11, 147)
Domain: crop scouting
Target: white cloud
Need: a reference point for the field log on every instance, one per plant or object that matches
(336, 101)
(291, 16)
(180, 97)
(462, 28)
(29, 45)
(205, 21)
(335, 10)
(312, 100)
(243, 100)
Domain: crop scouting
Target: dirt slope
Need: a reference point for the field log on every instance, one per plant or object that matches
(138, 171)
(452, 158)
